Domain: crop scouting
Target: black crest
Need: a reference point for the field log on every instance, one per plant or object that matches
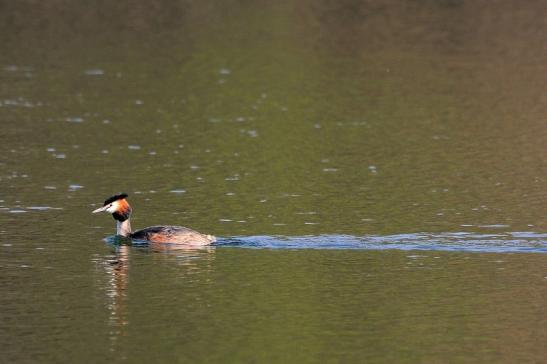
(109, 200)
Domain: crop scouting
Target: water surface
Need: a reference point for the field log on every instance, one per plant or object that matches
(375, 174)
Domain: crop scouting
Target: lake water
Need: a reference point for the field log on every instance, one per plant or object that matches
(375, 172)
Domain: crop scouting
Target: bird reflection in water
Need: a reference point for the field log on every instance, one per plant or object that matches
(117, 268)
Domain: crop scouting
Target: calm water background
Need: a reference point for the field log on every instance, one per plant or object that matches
(376, 172)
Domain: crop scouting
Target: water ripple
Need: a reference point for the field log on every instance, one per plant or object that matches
(453, 241)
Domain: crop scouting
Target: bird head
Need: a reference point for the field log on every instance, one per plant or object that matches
(116, 205)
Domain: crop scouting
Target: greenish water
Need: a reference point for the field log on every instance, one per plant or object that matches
(375, 173)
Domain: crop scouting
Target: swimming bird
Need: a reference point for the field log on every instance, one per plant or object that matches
(120, 209)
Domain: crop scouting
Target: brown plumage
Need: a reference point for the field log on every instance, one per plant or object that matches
(120, 209)
(172, 234)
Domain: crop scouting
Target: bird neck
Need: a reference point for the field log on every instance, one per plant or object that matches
(123, 228)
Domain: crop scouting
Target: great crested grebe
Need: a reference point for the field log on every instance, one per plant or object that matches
(118, 206)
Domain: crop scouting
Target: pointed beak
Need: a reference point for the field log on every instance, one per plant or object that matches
(100, 209)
